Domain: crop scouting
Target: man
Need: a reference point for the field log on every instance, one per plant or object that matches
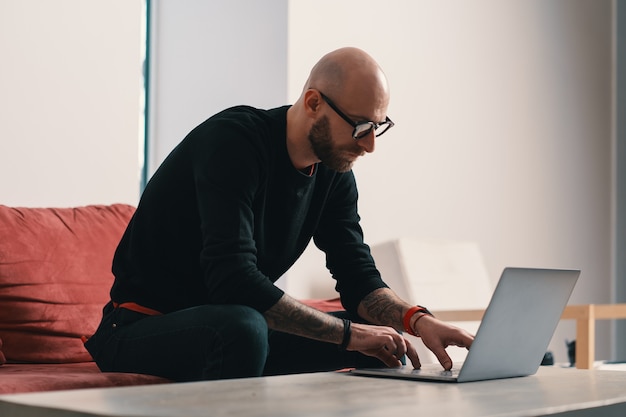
(228, 212)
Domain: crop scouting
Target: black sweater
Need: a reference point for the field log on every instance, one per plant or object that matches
(227, 214)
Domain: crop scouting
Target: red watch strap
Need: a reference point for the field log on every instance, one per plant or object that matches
(407, 317)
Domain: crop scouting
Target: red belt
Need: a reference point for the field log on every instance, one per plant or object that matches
(133, 307)
(137, 308)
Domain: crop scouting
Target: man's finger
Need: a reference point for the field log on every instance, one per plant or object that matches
(388, 358)
(411, 352)
(443, 358)
(401, 346)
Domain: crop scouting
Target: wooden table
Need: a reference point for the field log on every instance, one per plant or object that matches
(552, 391)
(585, 316)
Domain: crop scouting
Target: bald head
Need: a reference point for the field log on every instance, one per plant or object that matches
(355, 83)
(347, 71)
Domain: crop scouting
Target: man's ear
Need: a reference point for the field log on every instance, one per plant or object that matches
(312, 101)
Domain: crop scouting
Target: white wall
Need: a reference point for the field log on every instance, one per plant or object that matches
(70, 94)
(503, 135)
(502, 112)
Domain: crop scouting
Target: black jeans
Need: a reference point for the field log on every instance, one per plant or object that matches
(210, 342)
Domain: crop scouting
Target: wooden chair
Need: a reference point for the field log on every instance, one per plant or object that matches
(585, 316)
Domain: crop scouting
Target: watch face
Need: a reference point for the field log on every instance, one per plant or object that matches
(425, 310)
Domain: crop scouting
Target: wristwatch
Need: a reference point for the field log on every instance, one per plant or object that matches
(421, 310)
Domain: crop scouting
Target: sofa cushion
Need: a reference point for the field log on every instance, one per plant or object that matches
(55, 277)
(3, 360)
(19, 378)
(333, 304)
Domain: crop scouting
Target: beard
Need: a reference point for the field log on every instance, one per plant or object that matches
(335, 158)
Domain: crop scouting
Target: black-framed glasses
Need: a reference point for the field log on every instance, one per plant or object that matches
(361, 129)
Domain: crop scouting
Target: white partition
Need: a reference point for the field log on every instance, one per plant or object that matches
(206, 56)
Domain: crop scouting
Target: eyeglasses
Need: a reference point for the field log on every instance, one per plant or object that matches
(361, 129)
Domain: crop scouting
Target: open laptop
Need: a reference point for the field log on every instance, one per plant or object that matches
(514, 333)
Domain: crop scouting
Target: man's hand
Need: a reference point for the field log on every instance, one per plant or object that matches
(381, 342)
(438, 335)
(384, 307)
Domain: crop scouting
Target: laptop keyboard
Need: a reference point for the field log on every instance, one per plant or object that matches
(453, 373)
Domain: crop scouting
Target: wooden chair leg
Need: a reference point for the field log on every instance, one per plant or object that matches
(585, 339)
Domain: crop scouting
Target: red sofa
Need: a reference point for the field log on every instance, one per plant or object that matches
(55, 276)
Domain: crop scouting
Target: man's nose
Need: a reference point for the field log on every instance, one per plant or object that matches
(368, 142)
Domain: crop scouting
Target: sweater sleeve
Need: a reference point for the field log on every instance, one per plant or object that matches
(340, 236)
(228, 176)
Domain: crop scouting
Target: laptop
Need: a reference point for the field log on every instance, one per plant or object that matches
(514, 333)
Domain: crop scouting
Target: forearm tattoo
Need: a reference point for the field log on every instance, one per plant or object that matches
(291, 316)
(383, 307)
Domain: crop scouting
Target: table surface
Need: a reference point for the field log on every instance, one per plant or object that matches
(551, 391)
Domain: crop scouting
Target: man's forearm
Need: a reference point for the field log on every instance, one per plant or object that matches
(383, 307)
(291, 316)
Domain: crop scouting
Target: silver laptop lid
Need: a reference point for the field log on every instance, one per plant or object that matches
(519, 323)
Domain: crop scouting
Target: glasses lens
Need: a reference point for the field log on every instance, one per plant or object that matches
(362, 129)
(382, 128)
